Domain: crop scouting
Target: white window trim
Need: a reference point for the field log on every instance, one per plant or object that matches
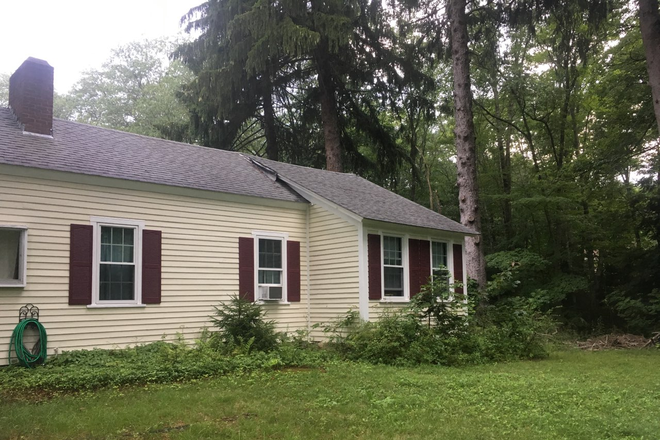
(22, 258)
(138, 225)
(284, 237)
(405, 265)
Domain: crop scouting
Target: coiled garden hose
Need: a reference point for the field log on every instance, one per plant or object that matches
(29, 357)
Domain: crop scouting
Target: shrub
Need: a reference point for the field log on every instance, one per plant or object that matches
(242, 326)
(437, 329)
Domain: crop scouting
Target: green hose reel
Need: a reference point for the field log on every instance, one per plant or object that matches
(29, 357)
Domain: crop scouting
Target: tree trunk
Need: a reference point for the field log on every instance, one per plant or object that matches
(504, 150)
(272, 150)
(649, 22)
(329, 118)
(466, 148)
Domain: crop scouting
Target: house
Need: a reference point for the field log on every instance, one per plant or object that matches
(120, 238)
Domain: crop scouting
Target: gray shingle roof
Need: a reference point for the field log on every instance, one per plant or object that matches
(87, 149)
(364, 198)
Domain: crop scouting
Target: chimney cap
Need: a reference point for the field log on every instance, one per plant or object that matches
(36, 61)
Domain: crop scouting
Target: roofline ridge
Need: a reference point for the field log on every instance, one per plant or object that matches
(152, 138)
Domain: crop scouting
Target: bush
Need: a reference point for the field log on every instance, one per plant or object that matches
(242, 325)
(437, 329)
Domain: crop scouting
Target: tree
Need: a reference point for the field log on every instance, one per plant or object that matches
(134, 90)
(4, 90)
(466, 148)
(339, 55)
(649, 23)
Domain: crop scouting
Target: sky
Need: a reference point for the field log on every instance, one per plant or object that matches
(77, 35)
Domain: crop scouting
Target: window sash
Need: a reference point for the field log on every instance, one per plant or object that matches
(117, 257)
(439, 259)
(270, 261)
(393, 267)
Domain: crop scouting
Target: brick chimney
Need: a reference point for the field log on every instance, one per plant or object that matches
(31, 96)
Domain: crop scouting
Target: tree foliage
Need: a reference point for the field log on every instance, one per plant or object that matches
(134, 90)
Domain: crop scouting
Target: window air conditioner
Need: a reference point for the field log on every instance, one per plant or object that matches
(269, 293)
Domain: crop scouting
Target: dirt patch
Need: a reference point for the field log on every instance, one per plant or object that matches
(615, 341)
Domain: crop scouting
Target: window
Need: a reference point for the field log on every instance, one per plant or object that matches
(270, 268)
(117, 252)
(13, 249)
(117, 265)
(439, 259)
(393, 282)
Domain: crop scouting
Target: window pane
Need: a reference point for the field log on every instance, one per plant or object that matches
(439, 254)
(392, 254)
(106, 234)
(116, 253)
(270, 277)
(10, 244)
(106, 252)
(128, 254)
(128, 237)
(393, 277)
(270, 253)
(117, 244)
(117, 282)
(117, 235)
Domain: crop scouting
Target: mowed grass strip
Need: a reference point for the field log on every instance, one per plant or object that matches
(572, 395)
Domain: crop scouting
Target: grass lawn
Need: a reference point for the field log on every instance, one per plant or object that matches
(572, 395)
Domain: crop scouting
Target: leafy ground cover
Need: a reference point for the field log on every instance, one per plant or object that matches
(571, 395)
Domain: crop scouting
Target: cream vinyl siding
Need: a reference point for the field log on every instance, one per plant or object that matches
(199, 259)
(334, 271)
(378, 308)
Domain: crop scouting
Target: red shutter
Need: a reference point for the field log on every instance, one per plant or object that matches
(81, 246)
(458, 267)
(419, 260)
(375, 264)
(151, 266)
(246, 268)
(293, 271)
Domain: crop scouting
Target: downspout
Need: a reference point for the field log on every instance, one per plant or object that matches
(307, 258)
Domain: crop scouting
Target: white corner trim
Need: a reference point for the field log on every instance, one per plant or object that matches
(316, 199)
(308, 281)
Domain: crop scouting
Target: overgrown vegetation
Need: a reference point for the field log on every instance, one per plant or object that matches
(433, 330)
(441, 327)
(159, 362)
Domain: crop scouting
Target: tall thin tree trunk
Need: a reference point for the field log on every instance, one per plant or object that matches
(329, 118)
(466, 148)
(272, 150)
(504, 149)
(649, 22)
